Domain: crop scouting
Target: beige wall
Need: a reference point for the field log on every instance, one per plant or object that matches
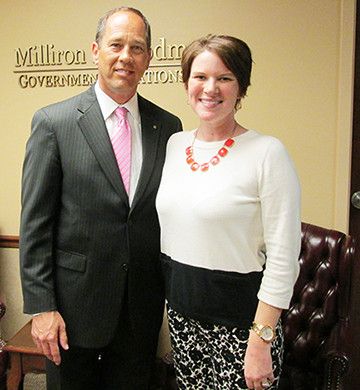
(301, 90)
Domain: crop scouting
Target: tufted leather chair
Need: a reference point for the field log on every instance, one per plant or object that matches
(3, 354)
(316, 326)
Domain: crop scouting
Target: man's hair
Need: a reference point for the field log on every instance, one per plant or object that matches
(103, 21)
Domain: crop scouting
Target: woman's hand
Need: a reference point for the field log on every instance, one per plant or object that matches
(258, 363)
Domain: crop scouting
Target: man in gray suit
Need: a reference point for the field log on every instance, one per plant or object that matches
(89, 251)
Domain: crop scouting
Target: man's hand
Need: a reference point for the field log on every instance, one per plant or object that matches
(48, 330)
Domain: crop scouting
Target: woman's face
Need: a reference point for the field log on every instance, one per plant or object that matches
(212, 89)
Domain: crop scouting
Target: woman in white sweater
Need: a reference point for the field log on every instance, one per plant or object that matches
(229, 211)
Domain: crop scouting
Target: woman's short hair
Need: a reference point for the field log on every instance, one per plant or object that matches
(233, 52)
(101, 28)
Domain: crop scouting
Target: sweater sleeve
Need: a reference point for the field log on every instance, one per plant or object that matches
(280, 197)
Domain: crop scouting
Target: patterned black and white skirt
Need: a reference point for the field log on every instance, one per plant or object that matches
(211, 357)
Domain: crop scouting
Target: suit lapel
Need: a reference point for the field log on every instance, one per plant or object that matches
(150, 129)
(92, 125)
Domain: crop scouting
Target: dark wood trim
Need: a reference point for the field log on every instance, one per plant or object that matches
(355, 181)
(352, 378)
(9, 241)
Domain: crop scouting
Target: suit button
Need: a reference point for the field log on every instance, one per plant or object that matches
(125, 266)
(130, 222)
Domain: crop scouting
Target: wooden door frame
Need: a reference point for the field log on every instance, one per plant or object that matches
(356, 120)
(352, 379)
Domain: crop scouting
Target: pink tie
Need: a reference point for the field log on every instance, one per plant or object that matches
(121, 142)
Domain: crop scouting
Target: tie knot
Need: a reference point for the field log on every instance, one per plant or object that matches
(121, 113)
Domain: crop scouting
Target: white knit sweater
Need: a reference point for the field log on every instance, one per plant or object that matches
(237, 216)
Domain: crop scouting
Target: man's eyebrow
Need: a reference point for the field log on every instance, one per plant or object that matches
(132, 40)
(139, 40)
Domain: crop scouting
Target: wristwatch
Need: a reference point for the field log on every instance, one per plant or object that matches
(265, 332)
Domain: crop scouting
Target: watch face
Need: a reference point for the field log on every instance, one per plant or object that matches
(267, 333)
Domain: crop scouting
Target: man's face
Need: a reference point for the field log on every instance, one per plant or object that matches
(123, 55)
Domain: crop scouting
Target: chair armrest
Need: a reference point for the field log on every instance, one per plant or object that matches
(336, 367)
(4, 356)
(2, 304)
(335, 356)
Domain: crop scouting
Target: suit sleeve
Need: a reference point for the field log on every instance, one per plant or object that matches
(41, 197)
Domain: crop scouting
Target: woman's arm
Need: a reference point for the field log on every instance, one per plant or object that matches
(258, 361)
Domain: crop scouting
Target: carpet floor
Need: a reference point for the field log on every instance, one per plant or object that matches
(35, 382)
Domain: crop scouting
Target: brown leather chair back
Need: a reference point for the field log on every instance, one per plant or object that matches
(316, 326)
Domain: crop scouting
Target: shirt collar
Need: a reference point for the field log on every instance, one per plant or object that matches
(108, 105)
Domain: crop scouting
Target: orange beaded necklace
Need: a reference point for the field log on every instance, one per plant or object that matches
(222, 152)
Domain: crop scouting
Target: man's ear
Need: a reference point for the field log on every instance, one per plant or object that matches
(150, 55)
(95, 52)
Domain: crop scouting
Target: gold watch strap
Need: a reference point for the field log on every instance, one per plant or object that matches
(258, 328)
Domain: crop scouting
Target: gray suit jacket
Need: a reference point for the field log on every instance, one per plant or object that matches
(81, 244)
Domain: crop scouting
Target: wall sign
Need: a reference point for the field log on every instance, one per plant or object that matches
(46, 66)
